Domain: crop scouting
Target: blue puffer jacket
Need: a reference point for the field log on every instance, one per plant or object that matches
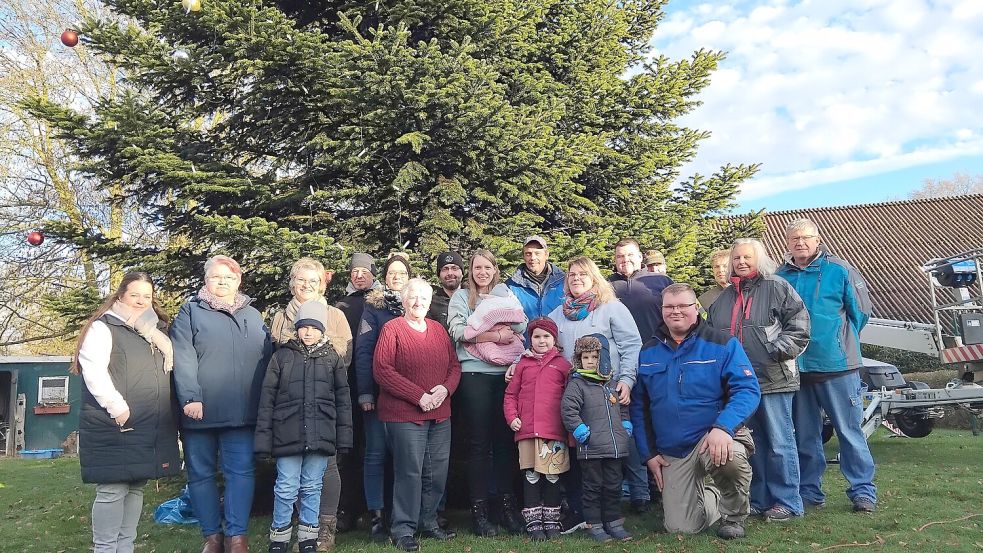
(682, 392)
(839, 306)
(220, 360)
(374, 316)
(534, 303)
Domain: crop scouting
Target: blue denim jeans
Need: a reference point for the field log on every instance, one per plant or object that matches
(775, 463)
(202, 451)
(636, 474)
(842, 400)
(374, 470)
(421, 454)
(298, 475)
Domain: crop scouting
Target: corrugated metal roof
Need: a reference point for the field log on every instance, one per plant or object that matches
(889, 242)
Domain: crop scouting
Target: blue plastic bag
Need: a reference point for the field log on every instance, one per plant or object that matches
(176, 511)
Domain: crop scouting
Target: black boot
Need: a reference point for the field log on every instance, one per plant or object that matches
(480, 524)
(510, 515)
(346, 521)
(379, 531)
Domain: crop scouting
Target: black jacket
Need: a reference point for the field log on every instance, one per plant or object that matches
(641, 293)
(438, 306)
(305, 405)
(149, 450)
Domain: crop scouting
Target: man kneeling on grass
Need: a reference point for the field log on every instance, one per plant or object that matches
(695, 389)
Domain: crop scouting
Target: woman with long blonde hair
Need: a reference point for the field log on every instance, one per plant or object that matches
(491, 454)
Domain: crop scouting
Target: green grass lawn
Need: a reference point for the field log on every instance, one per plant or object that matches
(45, 508)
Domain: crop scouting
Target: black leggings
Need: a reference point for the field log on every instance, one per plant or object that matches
(491, 448)
(602, 490)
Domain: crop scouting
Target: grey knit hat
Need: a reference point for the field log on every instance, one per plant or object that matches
(362, 261)
(312, 313)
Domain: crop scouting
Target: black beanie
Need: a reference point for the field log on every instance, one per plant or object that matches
(449, 258)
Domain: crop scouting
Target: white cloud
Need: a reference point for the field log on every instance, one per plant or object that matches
(820, 91)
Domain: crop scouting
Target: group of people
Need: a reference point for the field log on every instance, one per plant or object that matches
(573, 384)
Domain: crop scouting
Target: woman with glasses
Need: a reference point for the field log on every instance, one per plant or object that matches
(381, 306)
(308, 281)
(128, 421)
(768, 317)
(590, 306)
(221, 351)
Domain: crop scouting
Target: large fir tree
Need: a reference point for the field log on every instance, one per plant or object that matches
(270, 129)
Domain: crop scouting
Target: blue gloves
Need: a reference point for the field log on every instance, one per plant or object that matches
(581, 433)
(628, 427)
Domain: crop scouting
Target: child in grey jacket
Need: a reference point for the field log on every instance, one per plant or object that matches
(591, 412)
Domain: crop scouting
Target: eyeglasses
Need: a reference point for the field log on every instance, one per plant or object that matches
(221, 278)
(681, 307)
(305, 282)
(801, 239)
(579, 276)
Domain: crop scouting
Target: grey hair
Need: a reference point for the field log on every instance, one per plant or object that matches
(766, 265)
(415, 282)
(232, 264)
(801, 224)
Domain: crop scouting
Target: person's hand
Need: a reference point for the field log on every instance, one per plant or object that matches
(720, 446)
(655, 465)
(426, 401)
(505, 335)
(624, 393)
(123, 417)
(516, 424)
(510, 372)
(628, 427)
(368, 406)
(194, 410)
(581, 433)
(439, 393)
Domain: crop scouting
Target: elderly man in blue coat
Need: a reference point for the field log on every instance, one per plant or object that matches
(839, 306)
(695, 388)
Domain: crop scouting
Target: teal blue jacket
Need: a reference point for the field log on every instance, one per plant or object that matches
(839, 306)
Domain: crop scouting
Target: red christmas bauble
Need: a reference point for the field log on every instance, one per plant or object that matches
(69, 38)
(35, 238)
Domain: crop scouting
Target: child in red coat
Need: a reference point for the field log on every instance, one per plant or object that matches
(532, 410)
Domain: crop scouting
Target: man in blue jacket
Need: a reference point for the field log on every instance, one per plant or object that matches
(839, 306)
(537, 283)
(695, 389)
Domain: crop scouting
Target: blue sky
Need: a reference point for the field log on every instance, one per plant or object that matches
(841, 101)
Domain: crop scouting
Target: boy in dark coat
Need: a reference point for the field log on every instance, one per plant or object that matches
(305, 416)
(601, 427)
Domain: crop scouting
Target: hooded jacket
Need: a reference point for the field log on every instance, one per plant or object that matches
(219, 360)
(839, 306)
(305, 406)
(375, 314)
(534, 394)
(772, 325)
(683, 391)
(536, 300)
(613, 321)
(149, 449)
(641, 292)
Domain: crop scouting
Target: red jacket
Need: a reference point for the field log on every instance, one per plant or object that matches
(534, 396)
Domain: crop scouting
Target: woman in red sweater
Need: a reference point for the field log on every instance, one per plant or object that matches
(416, 368)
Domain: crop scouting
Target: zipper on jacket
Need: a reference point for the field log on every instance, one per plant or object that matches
(607, 407)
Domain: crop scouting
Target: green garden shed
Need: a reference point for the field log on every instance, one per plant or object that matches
(39, 403)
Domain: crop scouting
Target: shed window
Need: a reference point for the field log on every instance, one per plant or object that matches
(52, 390)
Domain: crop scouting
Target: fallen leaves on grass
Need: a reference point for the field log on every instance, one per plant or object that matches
(877, 541)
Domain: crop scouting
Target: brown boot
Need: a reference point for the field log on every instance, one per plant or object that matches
(237, 544)
(213, 544)
(328, 528)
